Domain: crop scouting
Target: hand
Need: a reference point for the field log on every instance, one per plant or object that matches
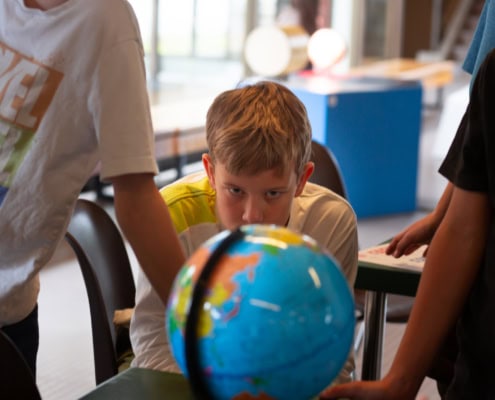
(415, 235)
(366, 390)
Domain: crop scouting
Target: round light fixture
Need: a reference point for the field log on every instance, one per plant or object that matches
(326, 47)
(276, 50)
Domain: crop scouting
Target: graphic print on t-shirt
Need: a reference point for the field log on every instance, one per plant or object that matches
(27, 88)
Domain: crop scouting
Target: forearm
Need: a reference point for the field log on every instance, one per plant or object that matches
(422, 231)
(451, 267)
(443, 204)
(145, 222)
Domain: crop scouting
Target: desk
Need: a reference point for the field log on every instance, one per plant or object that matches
(378, 281)
(174, 149)
(178, 147)
(433, 75)
(142, 384)
(180, 136)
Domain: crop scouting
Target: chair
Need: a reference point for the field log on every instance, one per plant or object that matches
(17, 379)
(327, 173)
(109, 282)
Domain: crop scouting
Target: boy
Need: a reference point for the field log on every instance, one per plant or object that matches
(256, 171)
(422, 231)
(457, 285)
(72, 93)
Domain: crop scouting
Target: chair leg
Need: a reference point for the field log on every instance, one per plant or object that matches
(358, 339)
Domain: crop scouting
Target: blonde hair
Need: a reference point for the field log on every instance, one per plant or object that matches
(258, 127)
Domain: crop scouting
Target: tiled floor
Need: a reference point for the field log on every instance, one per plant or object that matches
(65, 363)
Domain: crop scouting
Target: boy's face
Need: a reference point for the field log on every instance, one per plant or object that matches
(264, 198)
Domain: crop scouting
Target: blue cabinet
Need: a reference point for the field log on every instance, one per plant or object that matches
(373, 126)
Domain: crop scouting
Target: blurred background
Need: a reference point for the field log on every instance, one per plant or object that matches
(196, 48)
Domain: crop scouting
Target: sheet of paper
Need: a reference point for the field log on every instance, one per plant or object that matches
(376, 255)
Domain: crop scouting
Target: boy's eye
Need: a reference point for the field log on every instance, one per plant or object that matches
(272, 194)
(235, 191)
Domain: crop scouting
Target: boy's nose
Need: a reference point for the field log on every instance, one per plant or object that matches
(253, 213)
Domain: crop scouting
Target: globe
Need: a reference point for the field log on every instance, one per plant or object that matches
(260, 313)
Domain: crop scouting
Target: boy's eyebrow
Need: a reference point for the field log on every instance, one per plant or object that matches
(276, 188)
(279, 188)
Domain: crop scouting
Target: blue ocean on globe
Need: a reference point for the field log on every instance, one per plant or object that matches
(277, 321)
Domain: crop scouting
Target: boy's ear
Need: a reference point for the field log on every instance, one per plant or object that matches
(209, 168)
(307, 172)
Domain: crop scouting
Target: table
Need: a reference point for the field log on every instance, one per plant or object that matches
(143, 384)
(175, 148)
(433, 74)
(378, 281)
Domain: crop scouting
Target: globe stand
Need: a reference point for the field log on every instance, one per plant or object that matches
(195, 373)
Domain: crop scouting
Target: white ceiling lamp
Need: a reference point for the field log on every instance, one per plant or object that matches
(326, 48)
(273, 51)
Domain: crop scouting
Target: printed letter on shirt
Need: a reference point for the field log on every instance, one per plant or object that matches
(27, 88)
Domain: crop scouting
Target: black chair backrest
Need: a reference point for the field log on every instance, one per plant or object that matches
(17, 378)
(327, 171)
(102, 256)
